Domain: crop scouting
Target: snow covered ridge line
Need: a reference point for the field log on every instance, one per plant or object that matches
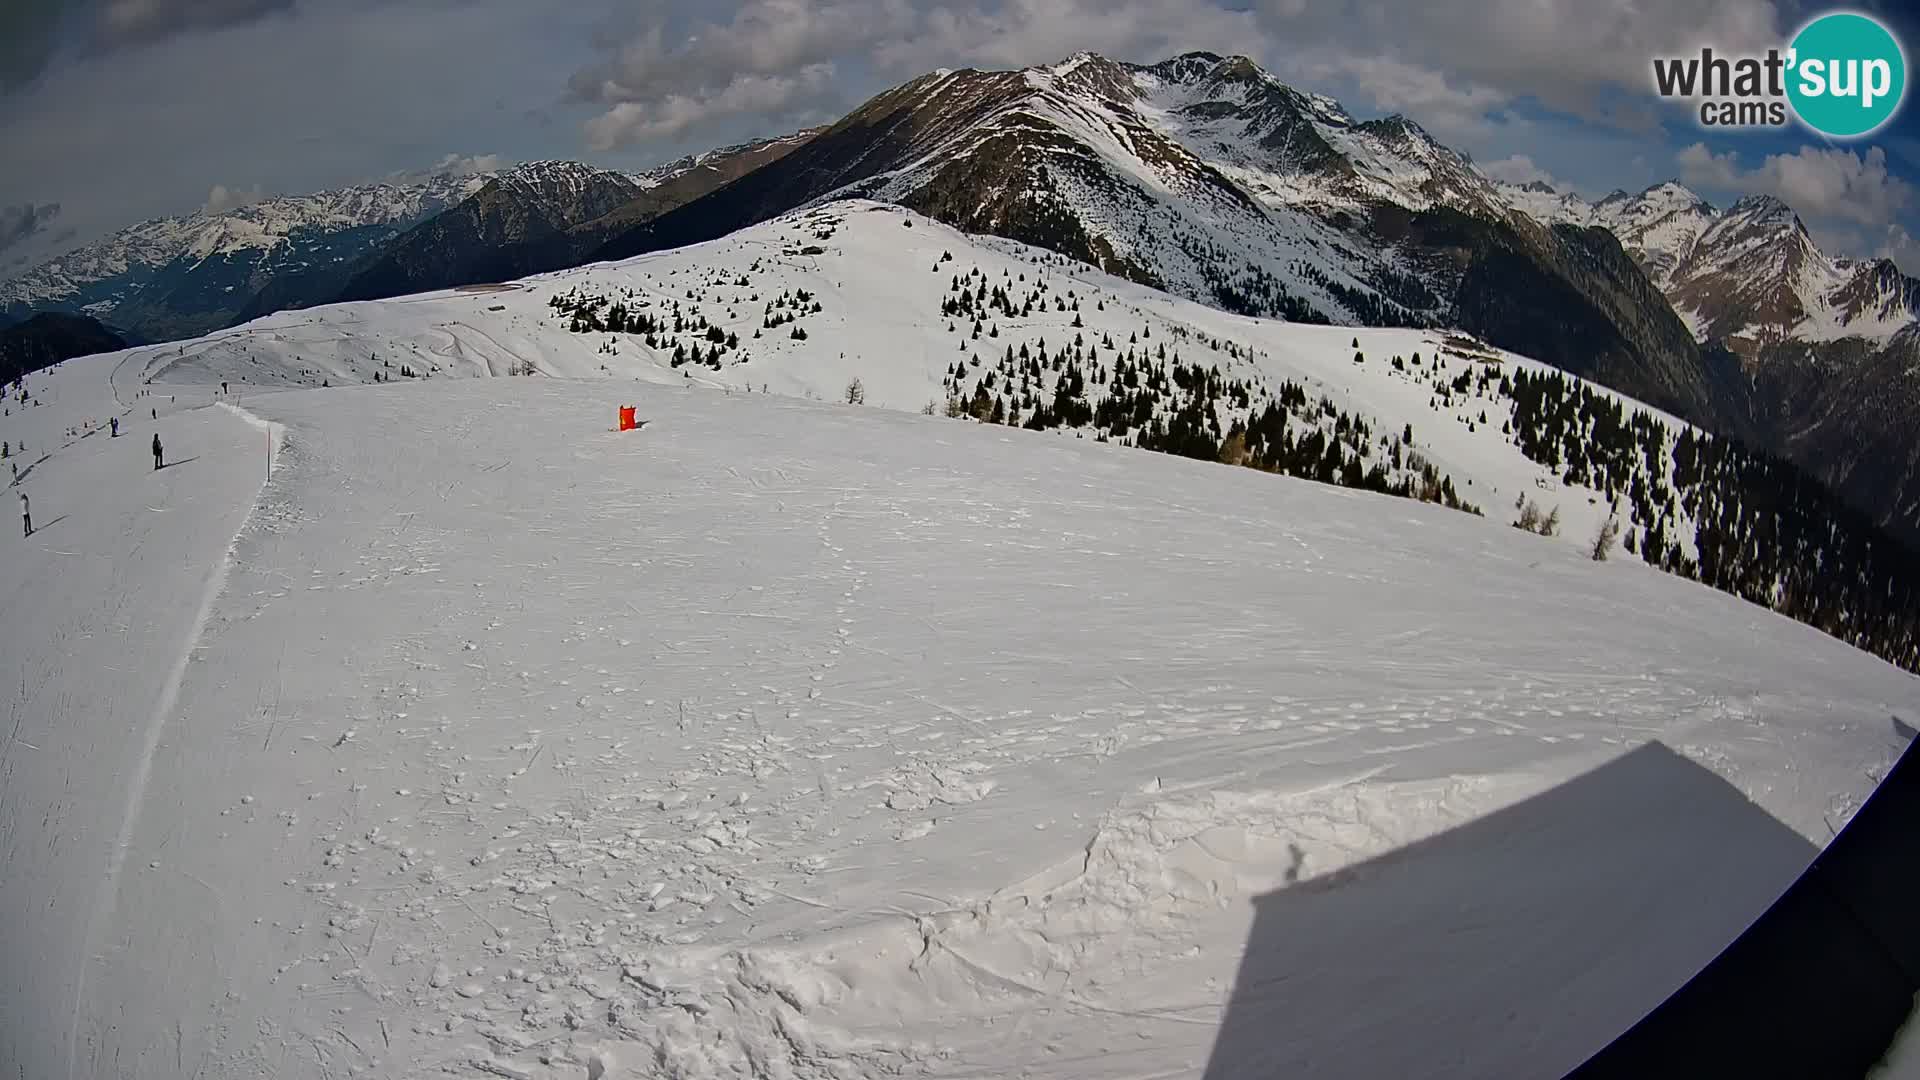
(106, 897)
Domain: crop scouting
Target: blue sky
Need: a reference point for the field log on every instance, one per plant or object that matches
(118, 110)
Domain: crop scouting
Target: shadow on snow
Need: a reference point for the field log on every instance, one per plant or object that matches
(1518, 944)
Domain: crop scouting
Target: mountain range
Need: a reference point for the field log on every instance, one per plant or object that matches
(178, 276)
(1203, 176)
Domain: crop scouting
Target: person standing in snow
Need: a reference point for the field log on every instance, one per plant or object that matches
(114, 423)
(156, 451)
(26, 514)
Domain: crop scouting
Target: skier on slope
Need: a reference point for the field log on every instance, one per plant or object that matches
(114, 423)
(156, 452)
(26, 514)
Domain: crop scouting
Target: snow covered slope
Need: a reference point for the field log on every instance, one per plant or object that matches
(789, 738)
(884, 279)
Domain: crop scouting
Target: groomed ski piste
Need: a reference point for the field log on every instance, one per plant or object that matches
(794, 738)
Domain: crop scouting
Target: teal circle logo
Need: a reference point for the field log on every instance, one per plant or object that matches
(1846, 74)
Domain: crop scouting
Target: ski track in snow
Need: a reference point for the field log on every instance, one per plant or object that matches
(136, 787)
(98, 605)
(801, 740)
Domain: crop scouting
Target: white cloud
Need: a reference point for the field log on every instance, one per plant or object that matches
(1519, 169)
(632, 121)
(1020, 33)
(767, 39)
(223, 199)
(468, 165)
(1817, 182)
(1899, 245)
(1701, 167)
(1448, 107)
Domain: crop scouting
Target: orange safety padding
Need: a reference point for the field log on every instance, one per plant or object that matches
(626, 418)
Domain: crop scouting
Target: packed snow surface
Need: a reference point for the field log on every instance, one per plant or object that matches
(794, 739)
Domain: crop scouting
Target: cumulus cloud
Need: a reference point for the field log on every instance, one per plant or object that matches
(675, 114)
(1019, 33)
(772, 58)
(1701, 167)
(1817, 182)
(1519, 169)
(18, 224)
(764, 38)
(1897, 244)
(1446, 106)
(223, 199)
(468, 164)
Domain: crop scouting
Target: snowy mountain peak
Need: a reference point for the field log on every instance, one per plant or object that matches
(1396, 125)
(1188, 66)
(1089, 74)
(550, 170)
(1766, 212)
(1761, 203)
(1755, 277)
(567, 182)
(1673, 193)
(285, 231)
(1073, 63)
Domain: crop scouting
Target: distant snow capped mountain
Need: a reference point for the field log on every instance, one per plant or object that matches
(515, 224)
(1755, 277)
(566, 183)
(1749, 275)
(187, 274)
(543, 215)
(179, 276)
